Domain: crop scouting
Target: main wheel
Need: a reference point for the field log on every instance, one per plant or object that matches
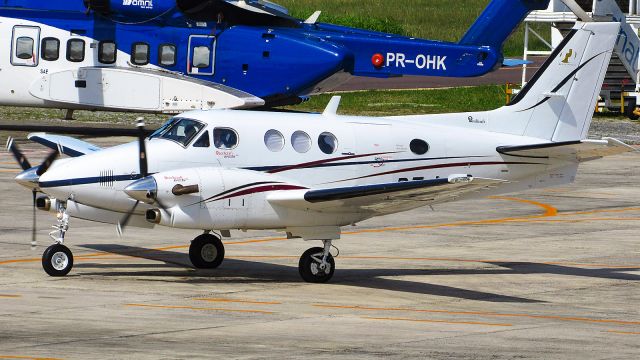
(57, 260)
(310, 266)
(206, 252)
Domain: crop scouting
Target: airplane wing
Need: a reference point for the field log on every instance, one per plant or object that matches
(383, 198)
(583, 150)
(68, 145)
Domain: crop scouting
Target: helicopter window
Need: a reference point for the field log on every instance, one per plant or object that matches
(301, 141)
(327, 143)
(24, 48)
(182, 131)
(167, 54)
(75, 50)
(50, 49)
(419, 147)
(140, 53)
(274, 140)
(225, 138)
(203, 142)
(201, 57)
(107, 52)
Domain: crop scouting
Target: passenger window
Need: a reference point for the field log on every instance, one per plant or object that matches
(301, 141)
(75, 50)
(201, 57)
(24, 48)
(107, 52)
(327, 143)
(274, 140)
(167, 55)
(50, 49)
(419, 147)
(225, 138)
(203, 142)
(140, 54)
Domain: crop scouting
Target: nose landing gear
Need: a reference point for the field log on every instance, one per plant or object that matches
(57, 259)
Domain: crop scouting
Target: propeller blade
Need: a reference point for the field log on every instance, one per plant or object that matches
(33, 221)
(46, 164)
(122, 224)
(144, 170)
(75, 130)
(18, 155)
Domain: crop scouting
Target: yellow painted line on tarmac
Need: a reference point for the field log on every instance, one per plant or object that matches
(199, 308)
(13, 171)
(436, 321)
(481, 313)
(239, 301)
(26, 357)
(5, 296)
(624, 332)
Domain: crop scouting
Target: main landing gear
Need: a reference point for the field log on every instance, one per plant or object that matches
(57, 259)
(316, 265)
(206, 251)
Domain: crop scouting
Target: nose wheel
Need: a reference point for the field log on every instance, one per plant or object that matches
(206, 251)
(57, 260)
(317, 265)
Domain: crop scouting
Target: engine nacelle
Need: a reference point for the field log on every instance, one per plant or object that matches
(132, 9)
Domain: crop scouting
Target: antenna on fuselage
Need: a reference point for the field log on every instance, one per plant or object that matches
(332, 106)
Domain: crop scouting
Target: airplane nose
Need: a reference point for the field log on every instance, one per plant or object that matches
(144, 190)
(29, 178)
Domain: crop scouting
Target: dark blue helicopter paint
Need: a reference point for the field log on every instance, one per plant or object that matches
(276, 58)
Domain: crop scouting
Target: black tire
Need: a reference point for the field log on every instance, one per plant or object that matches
(57, 260)
(309, 267)
(629, 108)
(206, 252)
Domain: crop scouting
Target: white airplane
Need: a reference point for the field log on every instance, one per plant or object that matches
(311, 174)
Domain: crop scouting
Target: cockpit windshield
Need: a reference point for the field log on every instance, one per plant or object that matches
(180, 130)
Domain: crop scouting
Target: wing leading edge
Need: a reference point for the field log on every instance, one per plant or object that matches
(383, 198)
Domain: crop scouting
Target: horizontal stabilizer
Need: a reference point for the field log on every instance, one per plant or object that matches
(584, 150)
(69, 146)
(383, 198)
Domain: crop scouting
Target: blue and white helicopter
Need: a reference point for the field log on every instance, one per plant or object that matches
(169, 56)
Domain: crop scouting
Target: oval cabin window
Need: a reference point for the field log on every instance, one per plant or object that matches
(274, 140)
(419, 147)
(301, 141)
(327, 143)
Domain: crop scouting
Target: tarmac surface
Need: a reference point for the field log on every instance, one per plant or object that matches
(547, 274)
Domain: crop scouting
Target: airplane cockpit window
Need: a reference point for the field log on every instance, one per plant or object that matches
(24, 48)
(201, 57)
(301, 141)
(179, 130)
(50, 49)
(140, 54)
(167, 54)
(203, 141)
(274, 140)
(75, 50)
(327, 143)
(225, 138)
(419, 147)
(107, 52)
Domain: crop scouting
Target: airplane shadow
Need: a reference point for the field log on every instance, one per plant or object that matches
(255, 271)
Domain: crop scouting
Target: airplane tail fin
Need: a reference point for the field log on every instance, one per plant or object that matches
(557, 104)
(498, 20)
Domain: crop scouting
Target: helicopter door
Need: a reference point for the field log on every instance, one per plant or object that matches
(24, 45)
(201, 55)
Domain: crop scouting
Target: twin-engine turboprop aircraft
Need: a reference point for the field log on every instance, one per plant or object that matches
(311, 174)
(177, 55)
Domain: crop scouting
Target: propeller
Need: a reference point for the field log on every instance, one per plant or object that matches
(30, 179)
(144, 172)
